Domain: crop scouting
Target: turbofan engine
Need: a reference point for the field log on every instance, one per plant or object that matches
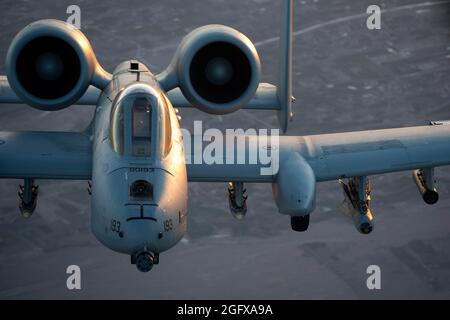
(50, 64)
(217, 69)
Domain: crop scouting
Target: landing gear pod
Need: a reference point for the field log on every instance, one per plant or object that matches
(50, 64)
(216, 67)
(294, 191)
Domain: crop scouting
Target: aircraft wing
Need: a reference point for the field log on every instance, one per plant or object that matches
(361, 153)
(45, 155)
(64, 155)
(341, 155)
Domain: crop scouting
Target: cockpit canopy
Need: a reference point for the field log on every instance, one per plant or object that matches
(140, 123)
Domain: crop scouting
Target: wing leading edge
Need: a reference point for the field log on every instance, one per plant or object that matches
(351, 154)
(340, 155)
(67, 155)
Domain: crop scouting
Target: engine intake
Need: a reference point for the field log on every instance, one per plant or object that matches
(216, 67)
(50, 64)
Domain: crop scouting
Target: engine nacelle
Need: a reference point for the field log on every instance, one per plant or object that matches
(50, 64)
(294, 190)
(216, 67)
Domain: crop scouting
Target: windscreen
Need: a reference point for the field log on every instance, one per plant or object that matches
(141, 128)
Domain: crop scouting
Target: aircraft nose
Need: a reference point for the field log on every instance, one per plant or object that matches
(142, 227)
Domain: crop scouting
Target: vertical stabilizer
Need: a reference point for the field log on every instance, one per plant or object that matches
(284, 86)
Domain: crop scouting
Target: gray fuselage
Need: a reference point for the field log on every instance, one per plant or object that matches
(139, 182)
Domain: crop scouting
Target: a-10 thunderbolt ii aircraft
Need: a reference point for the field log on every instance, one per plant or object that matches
(133, 151)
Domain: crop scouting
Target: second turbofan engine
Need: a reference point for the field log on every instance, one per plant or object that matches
(50, 64)
(217, 69)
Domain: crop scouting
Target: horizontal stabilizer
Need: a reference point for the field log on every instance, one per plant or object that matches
(265, 98)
